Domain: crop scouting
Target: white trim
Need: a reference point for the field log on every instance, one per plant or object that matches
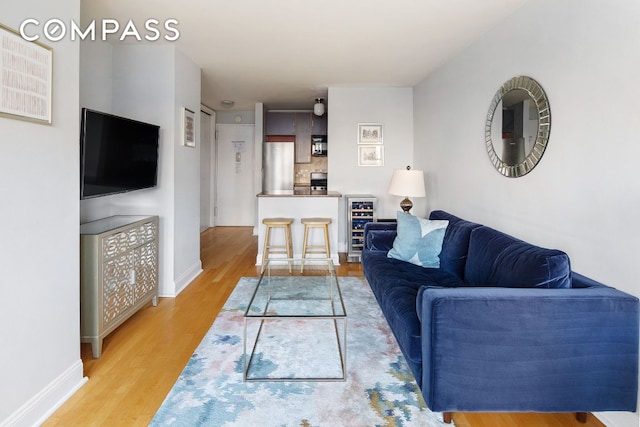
(207, 109)
(618, 419)
(187, 277)
(211, 221)
(41, 406)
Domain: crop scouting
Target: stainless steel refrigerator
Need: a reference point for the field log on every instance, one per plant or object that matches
(277, 167)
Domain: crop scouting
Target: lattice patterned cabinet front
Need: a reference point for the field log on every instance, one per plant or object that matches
(119, 273)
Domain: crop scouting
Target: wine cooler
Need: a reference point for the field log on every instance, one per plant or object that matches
(360, 209)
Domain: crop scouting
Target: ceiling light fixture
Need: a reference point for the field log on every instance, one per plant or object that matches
(318, 108)
(227, 103)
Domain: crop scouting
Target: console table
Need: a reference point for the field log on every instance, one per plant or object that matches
(118, 273)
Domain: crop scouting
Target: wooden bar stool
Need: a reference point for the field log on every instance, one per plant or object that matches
(287, 248)
(315, 249)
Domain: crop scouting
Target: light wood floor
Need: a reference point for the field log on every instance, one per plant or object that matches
(142, 359)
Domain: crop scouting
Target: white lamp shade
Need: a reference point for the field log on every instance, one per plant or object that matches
(318, 108)
(407, 183)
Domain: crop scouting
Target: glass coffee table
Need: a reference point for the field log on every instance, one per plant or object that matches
(295, 325)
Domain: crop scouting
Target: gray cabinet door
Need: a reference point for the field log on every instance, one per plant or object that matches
(303, 137)
(318, 124)
(280, 123)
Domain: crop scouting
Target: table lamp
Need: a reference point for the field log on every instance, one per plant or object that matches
(407, 183)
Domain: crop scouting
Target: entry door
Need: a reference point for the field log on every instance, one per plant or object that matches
(207, 169)
(236, 195)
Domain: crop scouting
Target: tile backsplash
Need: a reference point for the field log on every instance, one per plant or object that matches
(303, 170)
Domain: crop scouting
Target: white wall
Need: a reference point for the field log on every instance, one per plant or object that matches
(258, 134)
(152, 83)
(39, 314)
(391, 106)
(186, 202)
(584, 196)
(96, 75)
(235, 117)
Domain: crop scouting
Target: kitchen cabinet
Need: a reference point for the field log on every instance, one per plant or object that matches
(299, 124)
(303, 137)
(318, 124)
(280, 123)
(361, 209)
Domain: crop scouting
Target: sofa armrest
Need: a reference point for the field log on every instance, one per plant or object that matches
(545, 350)
(379, 236)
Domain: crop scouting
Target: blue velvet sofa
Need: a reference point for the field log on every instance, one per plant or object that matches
(505, 326)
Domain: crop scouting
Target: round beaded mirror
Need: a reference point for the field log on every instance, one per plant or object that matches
(518, 126)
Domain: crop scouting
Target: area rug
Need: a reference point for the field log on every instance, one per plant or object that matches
(379, 389)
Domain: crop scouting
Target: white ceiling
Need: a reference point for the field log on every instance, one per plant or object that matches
(285, 53)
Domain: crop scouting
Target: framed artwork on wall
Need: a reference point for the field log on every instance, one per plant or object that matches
(26, 78)
(188, 128)
(371, 155)
(369, 133)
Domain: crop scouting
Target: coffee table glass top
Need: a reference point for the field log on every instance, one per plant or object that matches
(295, 325)
(284, 291)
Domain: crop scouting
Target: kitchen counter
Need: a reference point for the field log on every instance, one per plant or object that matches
(303, 193)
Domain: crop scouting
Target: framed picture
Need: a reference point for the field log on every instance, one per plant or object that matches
(26, 70)
(188, 128)
(369, 133)
(371, 155)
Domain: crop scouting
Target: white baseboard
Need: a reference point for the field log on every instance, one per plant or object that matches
(618, 419)
(49, 399)
(187, 277)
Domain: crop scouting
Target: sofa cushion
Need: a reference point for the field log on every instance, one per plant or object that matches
(497, 259)
(453, 256)
(395, 285)
(418, 240)
(383, 272)
(380, 240)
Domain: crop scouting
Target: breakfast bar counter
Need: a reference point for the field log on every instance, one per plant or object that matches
(304, 193)
(297, 206)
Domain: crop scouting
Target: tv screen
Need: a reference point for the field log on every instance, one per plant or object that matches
(116, 154)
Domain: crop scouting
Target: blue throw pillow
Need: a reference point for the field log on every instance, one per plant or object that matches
(419, 240)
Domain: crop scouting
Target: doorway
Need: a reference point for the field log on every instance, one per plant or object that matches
(207, 168)
(235, 194)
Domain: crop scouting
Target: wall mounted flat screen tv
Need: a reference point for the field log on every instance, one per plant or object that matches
(116, 154)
